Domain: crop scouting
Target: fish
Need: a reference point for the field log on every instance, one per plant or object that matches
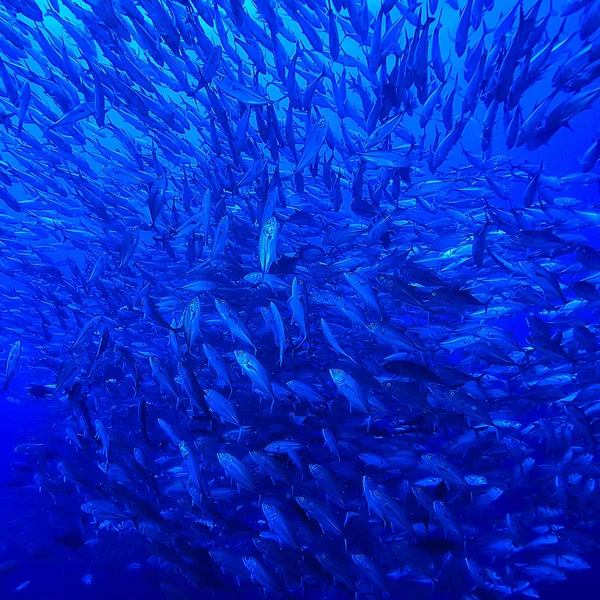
(380, 218)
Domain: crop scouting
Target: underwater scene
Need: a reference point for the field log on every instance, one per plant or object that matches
(299, 299)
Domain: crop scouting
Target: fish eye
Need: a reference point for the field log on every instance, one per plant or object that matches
(388, 384)
(241, 351)
(440, 503)
(372, 324)
(222, 301)
(381, 277)
(267, 506)
(377, 493)
(300, 282)
(301, 498)
(419, 489)
(433, 293)
(322, 124)
(429, 457)
(453, 393)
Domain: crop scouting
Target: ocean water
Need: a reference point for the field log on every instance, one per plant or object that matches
(299, 299)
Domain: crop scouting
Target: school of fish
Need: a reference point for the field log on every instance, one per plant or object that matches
(294, 329)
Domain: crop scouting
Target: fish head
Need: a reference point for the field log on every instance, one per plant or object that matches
(224, 458)
(340, 301)
(242, 357)
(298, 287)
(254, 278)
(270, 226)
(374, 327)
(359, 559)
(184, 449)
(303, 501)
(260, 544)
(250, 562)
(315, 470)
(417, 491)
(495, 492)
(256, 456)
(222, 306)
(269, 511)
(368, 483)
(216, 554)
(429, 459)
(478, 479)
(194, 305)
(181, 368)
(338, 376)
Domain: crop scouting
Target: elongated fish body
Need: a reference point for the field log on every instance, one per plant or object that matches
(299, 306)
(314, 142)
(86, 331)
(191, 322)
(262, 575)
(190, 385)
(332, 341)
(217, 363)
(305, 391)
(12, 362)
(233, 322)
(278, 330)
(221, 407)
(267, 245)
(279, 525)
(129, 246)
(255, 371)
(192, 464)
(236, 469)
(220, 238)
(351, 390)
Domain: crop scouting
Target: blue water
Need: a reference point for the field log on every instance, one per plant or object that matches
(143, 126)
